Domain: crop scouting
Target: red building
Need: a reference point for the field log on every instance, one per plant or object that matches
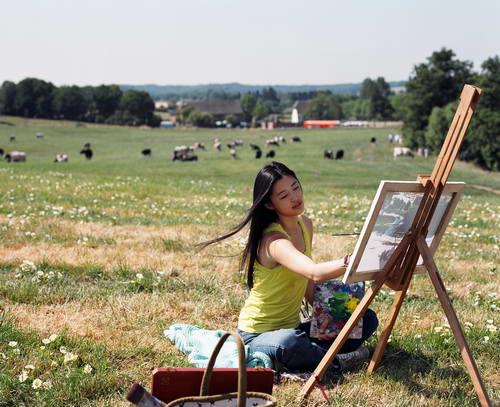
(320, 124)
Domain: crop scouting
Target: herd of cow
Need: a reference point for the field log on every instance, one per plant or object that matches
(188, 153)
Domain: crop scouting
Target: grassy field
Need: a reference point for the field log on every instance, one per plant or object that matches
(96, 261)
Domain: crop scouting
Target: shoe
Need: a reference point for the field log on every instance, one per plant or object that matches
(344, 361)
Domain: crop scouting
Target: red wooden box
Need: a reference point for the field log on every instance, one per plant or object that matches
(172, 383)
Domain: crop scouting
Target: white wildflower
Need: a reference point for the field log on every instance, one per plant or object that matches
(23, 376)
(47, 385)
(50, 339)
(63, 350)
(37, 383)
(12, 344)
(139, 276)
(486, 339)
(29, 367)
(87, 369)
(70, 357)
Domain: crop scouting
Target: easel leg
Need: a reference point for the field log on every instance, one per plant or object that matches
(470, 364)
(341, 338)
(386, 333)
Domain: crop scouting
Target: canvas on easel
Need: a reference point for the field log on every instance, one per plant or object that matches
(398, 270)
(390, 217)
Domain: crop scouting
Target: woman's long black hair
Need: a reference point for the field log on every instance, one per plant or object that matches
(258, 215)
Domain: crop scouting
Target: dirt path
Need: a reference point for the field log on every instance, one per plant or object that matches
(483, 188)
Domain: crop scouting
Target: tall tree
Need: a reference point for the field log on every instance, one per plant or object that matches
(34, 98)
(261, 109)
(70, 103)
(324, 107)
(357, 109)
(439, 123)
(106, 99)
(7, 98)
(377, 92)
(247, 103)
(135, 108)
(482, 144)
(435, 83)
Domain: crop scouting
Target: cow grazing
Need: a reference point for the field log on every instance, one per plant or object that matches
(238, 142)
(232, 145)
(2, 152)
(398, 139)
(254, 147)
(373, 140)
(180, 153)
(339, 154)
(88, 153)
(273, 142)
(61, 158)
(233, 153)
(258, 154)
(146, 152)
(12, 138)
(198, 146)
(390, 138)
(217, 144)
(296, 139)
(15, 156)
(328, 154)
(423, 152)
(271, 154)
(282, 139)
(183, 153)
(86, 145)
(39, 136)
(402, 152)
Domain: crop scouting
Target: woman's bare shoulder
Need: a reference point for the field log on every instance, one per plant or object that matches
(263, 255)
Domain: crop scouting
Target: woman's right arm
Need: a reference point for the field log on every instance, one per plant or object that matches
(284, 252)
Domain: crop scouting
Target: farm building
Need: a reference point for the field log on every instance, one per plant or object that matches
(219, 109)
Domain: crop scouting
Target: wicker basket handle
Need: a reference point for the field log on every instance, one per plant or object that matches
(242, 369)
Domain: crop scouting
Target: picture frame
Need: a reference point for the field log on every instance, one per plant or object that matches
(389, 218)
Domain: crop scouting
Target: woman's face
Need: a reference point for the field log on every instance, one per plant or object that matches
(286, 197)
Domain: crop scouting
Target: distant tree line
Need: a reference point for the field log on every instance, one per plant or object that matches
(226, 91)
(36, 98)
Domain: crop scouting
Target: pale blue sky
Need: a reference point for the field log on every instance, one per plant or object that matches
(89, 42)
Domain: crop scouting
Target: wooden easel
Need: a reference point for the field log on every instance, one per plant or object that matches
(398, 271)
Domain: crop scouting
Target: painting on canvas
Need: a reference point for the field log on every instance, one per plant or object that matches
(390, 218)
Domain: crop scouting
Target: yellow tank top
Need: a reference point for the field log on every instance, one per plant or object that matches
(276, 296)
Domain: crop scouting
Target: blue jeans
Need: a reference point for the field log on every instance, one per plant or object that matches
(294, 350)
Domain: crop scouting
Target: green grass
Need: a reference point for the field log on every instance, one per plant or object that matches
(111, 241)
